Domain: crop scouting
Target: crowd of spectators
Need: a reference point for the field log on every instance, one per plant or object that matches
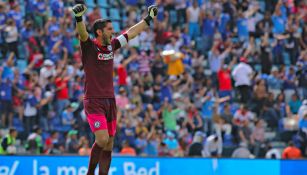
(211, 78)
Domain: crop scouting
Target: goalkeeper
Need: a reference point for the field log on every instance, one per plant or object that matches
(99, 101)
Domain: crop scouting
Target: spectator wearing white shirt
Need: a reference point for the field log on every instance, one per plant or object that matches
(242, 152)
(193, 18)
(241, 121)
(47, 71)
(213, 146)
(11, 36)
(272, 153)
(242, 115)
(242, 75)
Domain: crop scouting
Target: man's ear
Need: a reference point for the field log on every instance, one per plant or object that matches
(99, 32)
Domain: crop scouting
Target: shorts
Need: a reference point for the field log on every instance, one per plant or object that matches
(101, 114)
(6, 107)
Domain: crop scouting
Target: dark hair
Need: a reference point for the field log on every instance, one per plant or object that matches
(257, 121)
(100, 24)
(54, 132)
(36, 128)
(216, 138)
(11, 130)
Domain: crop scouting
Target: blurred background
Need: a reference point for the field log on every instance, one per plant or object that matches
(233, 83)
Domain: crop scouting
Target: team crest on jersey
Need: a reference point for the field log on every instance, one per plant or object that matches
(97, 124)
(109, 47)
(100, 56)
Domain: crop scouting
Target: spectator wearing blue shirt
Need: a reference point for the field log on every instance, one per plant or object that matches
(57, 8)
(294, 104)
(27, 31)
(141, 143)
(29, 8)
(302, 76)
(68, 39)
(208, 29)
(128, 133)
(6, 106)
(208, 111)
(303, 122)
(152, 144)
(161, 13)
(30, 110)
(68, 118)
(223, 22)
(278, 22)
(171, 141)
(54, 37)
(40, 9)
(275, 83)
(15, 14)
(289, 83)
(242, 26)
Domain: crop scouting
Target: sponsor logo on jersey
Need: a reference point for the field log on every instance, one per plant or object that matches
(104, 56)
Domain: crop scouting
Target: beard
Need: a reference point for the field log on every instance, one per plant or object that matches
(106, 40)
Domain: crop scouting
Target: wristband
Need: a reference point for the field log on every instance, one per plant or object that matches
(78, 18)
(147, 19)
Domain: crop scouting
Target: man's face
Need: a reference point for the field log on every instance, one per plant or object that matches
(108, 31)
(14, 134)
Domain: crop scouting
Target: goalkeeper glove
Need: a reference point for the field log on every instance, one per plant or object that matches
(152, 13)
(79, 10)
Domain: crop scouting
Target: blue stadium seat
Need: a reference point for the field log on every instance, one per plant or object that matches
(199, 44)
(90, 3)
(22, 65)
(103, 13)
(45, 135)
(89, 10)
(173, 16)
(257, 67)
(116, 26)
(286, 57)
(262, 5)
(258, 41)
(114, 14)
(18, 124)
(227, 142)
(103, 3)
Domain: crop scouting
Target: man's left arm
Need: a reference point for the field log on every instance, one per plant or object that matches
(4, 143)
(142, 25)
(135, 30)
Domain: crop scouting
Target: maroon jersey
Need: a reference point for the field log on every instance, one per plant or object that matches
(97, 61)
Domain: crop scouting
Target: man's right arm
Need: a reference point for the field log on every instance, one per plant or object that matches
(82, 31)
(79, 10)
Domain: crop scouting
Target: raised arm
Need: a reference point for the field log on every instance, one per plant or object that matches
(142, 25)
(79, 10)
